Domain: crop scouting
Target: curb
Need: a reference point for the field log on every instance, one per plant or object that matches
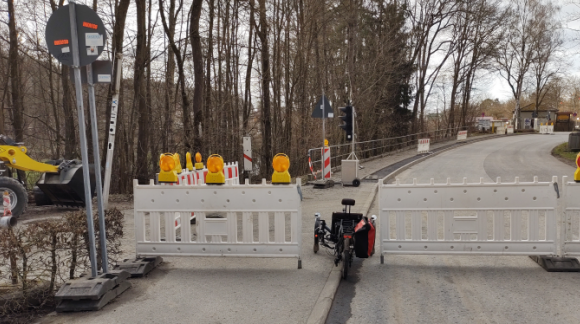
(323, 304)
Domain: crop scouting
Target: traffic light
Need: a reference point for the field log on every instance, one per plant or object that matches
(348, 122)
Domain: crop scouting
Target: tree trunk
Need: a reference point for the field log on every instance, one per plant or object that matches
(265, 165)
(15, 82)
(247, 108)
(139, 101)
(169, 82)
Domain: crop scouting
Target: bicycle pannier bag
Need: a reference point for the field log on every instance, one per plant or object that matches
(364, 238)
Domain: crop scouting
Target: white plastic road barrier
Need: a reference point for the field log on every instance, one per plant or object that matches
(327, 165)
(469, 218)
(423, 146)
(231, 220)
(462, 135)
(500, 130)
(550, 129)
(543, 129)
(510, 129)
(571, 218)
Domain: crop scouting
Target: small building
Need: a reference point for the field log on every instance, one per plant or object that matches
(528, 121)
(565, 121)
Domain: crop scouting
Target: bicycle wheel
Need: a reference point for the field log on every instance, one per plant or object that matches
(316, 247)
(345, 258)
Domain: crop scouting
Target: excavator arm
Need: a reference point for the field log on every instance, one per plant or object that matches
(15, 157)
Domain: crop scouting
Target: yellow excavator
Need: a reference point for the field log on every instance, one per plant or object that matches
(60, 184)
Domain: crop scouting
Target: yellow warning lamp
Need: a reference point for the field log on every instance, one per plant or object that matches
(167, 166)
(198, 163)
(281, 164)
(577, 173)
(325, 142)
(177, 159)
(215, 165)
(188, 164)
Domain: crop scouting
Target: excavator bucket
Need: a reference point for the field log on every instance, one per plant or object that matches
(66, 188)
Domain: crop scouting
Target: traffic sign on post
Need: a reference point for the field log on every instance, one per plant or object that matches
(92, 35)
(318, 109)
(102, 71)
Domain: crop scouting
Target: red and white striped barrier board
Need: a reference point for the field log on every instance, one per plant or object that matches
(247, 144)
(327, 166)
(462, 135)
(311, 168)
(423, 146)
(197, 177)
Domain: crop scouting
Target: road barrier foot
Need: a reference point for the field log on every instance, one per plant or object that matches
(91, 294)
(557, 264)
(139, 267)
(323, 184)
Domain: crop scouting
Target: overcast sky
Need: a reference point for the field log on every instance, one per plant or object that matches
(493, 86)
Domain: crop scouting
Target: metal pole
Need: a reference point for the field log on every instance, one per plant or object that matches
(112, 127)
(323, 137)
(83, 136)
(353, 133)
(96, 156)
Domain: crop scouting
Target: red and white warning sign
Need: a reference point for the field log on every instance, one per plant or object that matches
(462, 135)
(247, 153)
(327, 166)
(423, 146)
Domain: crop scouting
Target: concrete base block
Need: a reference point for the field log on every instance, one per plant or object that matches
(555, 264)
(139, 267)
(89, 294)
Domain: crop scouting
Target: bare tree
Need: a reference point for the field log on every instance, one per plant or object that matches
(545, 66)
(528, 21)
(139, 101)
(196, 6)
(429, 19)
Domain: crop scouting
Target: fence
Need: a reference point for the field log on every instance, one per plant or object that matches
(383, 146)
(482, 218)
(230, 220)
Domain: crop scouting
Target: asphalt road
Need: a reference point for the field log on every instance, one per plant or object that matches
(465, 289)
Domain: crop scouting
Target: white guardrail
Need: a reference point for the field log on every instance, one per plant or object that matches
(230, 220)
(473, 218)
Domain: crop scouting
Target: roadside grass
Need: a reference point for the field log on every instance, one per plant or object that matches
(564, 154)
